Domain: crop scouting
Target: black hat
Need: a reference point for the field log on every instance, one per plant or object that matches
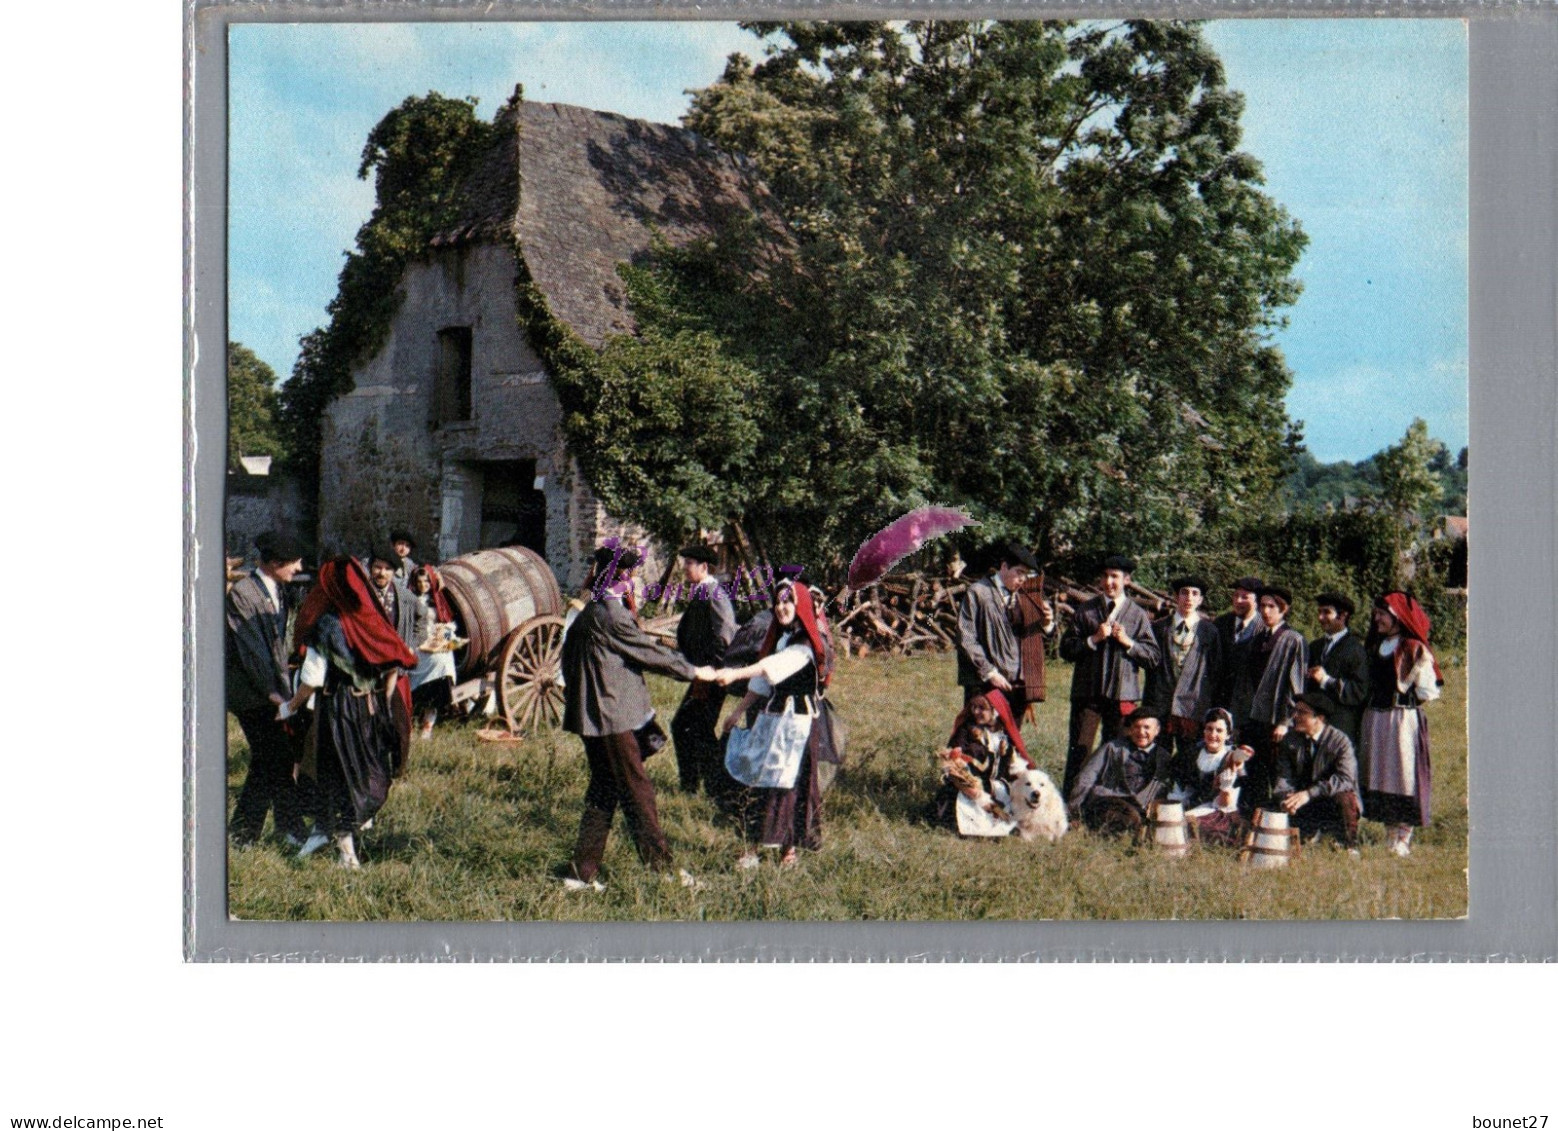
(382, 554)
(1318, 702)
(403, 535)
(1119, 562)
(1283, 595)
(625, 556)
(276, 547)
(1338, 601)
(1189, 582)
(1144, 713)
(699, 553)
(1015, 553)
(1250, 584)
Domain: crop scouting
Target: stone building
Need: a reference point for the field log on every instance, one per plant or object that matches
(453, 429)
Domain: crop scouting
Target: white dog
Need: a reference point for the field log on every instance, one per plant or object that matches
(1037, 806)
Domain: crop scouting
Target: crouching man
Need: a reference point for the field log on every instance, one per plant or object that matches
(1317, 772)
(1122, 778)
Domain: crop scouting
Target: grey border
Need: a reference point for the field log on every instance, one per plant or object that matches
(1514, 485)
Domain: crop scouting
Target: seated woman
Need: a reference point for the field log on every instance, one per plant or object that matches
(777, 754)
(1207, 781)
(432, 683)
(983, 754)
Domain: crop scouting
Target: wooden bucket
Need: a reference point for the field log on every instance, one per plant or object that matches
(1168, 829)
(1271, 843)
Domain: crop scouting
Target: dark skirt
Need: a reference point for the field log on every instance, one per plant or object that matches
(792, 818)
(357, 746)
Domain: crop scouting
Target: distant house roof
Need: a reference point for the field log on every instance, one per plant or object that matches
(1455, 526)
(585, 190)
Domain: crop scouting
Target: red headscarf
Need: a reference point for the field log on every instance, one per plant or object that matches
(441, 607)
(342, 589)
(1414, 625)
(807, 615)
(1003, 711)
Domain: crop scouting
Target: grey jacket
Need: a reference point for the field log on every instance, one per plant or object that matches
(1271, 698)
(604, 657)
(708, 624)
(256, 647)
(1331, 767)
(1188, 691)
(1348, 667)
(406, 608)
(986, 642)
(1108, 671)
(1119, 769)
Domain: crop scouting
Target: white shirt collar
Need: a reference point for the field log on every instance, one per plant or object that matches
(1335, 636)
(271, 588)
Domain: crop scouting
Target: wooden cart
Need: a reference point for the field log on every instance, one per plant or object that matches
(508, 605)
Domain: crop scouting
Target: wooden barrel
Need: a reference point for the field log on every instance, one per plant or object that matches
(1271, 843)
(1170, 829)
(493, 592)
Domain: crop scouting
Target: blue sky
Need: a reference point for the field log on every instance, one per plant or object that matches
(1360, 124)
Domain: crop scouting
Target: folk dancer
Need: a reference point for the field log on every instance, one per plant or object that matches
(1111, 643)
(1122, 778)
(1339, 665)
(1403, 675)
(1270, 681)
(989, 653)
(707, 626)
(1317, 773)
(258, 681)
(605, 654)
(1184, 685)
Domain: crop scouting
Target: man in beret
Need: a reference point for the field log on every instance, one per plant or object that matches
(1237, 629)
(1120, 779)
(605, 654)
(403, 544)
(1270, 682)
(259, 681)
(1184, 685)
(1339, 664)
(989, 654)
(707, 626)
(1317, 773)
(1112, 647)
(399, 606)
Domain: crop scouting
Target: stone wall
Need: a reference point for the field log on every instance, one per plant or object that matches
(384, 465)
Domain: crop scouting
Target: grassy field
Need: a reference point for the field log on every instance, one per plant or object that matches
(474, 831)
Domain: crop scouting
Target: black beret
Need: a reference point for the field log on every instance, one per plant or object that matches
(1318, 702)
(382, 554)
(1190, 582)
(1015, 553)
(277, 547)
(1281, 594)
(403, 536)
(1119, 562)
(1250, 584)
(1338, 601)
(1143, 713)
(698, 553)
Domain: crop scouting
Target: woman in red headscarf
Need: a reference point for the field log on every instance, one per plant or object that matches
(986, 748)
(352, 659)
(777, 754)
(432, 684)
(1393, 755)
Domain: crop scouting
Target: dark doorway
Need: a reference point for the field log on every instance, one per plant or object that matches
(513, 512)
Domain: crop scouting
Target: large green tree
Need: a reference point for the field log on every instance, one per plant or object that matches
(251, 406)
(1023, 267)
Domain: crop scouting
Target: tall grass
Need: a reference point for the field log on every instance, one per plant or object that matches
(475, 831)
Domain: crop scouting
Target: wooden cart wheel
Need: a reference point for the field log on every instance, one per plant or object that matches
(530, 683)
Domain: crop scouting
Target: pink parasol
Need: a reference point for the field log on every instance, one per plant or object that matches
(900, 538)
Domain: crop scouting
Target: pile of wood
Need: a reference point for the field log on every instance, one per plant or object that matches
(915, 612)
